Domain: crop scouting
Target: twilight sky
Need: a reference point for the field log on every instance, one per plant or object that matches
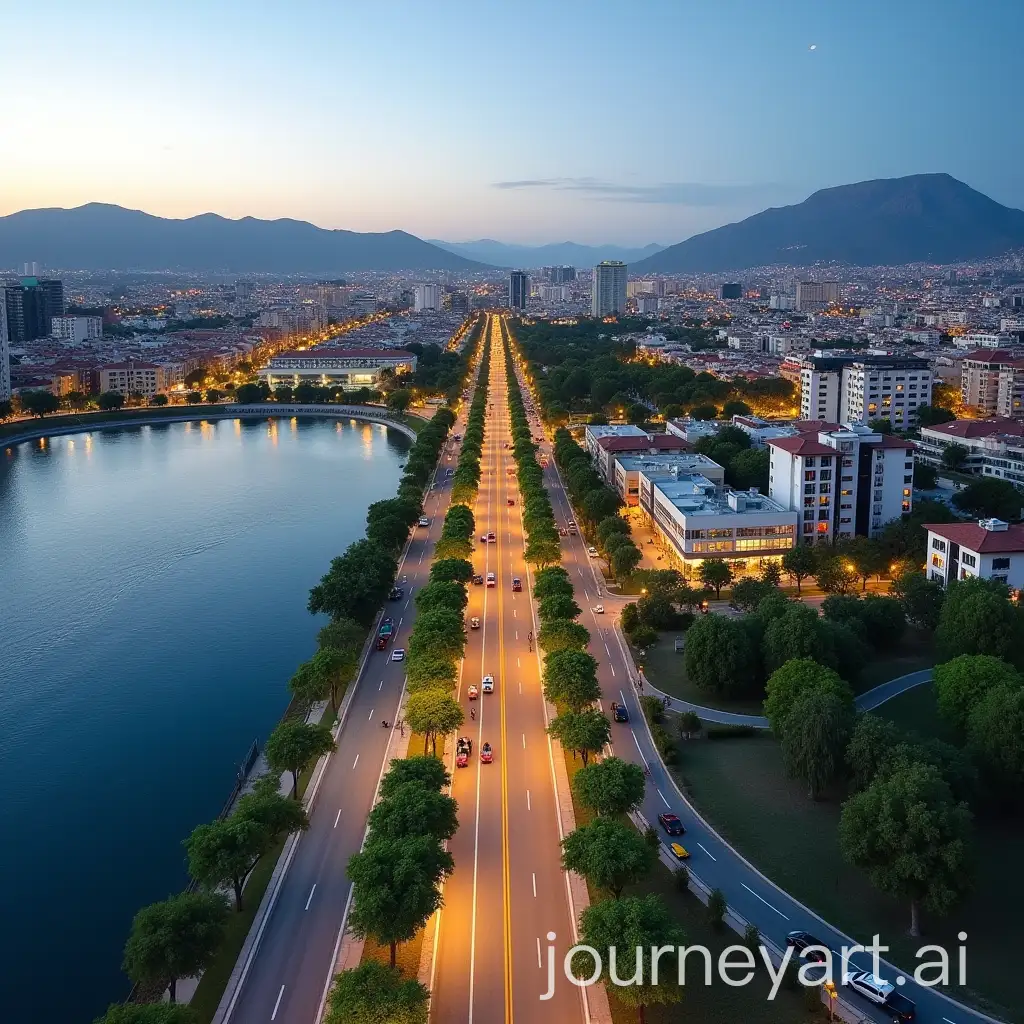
(523, 120)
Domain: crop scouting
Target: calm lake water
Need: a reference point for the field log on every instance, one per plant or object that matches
(153, 586)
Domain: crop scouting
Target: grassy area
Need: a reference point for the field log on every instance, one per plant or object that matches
(740, 786)
(717, 1003)
(215, 978)
(917, 711)
(917, 651)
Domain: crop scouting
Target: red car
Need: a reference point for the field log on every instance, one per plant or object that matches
(486, 754)
(671, 824)
(463, 749)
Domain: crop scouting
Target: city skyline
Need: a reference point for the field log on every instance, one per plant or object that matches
(241, 112)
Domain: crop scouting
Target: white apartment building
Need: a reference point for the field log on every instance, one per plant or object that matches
(647, 304)
(995, 447)
(76, 330)
(134, 378)
(5, 352)
(350, 368)
(595, 431)
(426, 296)
(743, 342)
(608, 295)
(842, 480)
(988, 380)
(953, 318)
(817, 294)
(700, 521)
(627, 470)
(861, 389)
(990, 549)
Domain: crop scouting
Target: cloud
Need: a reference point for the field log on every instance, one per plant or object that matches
(680, 193)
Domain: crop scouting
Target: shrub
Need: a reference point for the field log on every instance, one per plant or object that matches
(654, 710)
(751, 937)
(665, 743)
(716, 909)
(682, 878)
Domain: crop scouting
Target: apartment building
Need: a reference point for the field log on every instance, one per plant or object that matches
(134, 378)
(990, 549)
(992, 381)
(627, 470)
(351, 368)
(995, 447)
(608, 294)
(843, 480)
(811, 295)
(5, 352)
(77, 330)
(864, 388)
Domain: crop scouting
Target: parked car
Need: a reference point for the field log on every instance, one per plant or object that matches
(592, 551)
(671, 824)
(870, 987)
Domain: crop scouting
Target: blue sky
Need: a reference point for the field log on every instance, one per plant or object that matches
(526, 121)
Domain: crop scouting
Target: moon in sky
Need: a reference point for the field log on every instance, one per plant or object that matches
(813, 46)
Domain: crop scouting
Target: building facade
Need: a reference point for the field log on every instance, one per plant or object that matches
(627, 470)
(426, 296)
(811, 295)
(77, 330)
(989, 549)
(134, 378)
(608, 295)
(518, 289)
(31, 306)
(992, 381)
(5, 353)
(351, 368)
(843, 481)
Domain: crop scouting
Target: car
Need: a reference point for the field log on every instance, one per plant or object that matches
(572, 531)
(491, 579)
(679, 851)
(599, 609)
(487, 684)
(398, 654)
(491, 538)
(592, 551)
(474, 623)
(397, 593)
(571, 524)
(563, 532)
(511, 502)
(473, 692)
(483, 538)
(901, 1008)
(620, 712)
(424, 521)
(478, 579)
(801, 941)
(463, 751)
(671, 824)
(449, 472)
(486, 754)
(382, 643)
(517, 585)
(874, 989)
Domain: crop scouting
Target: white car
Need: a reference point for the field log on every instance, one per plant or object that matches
(599, 609)
(592, 551)
(869, 986)
(487, 684)
(398, 654)
(424, 521)
(491, 579)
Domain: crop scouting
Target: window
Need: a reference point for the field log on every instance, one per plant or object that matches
(822, 527)
(823, 499)
(809, 502)
(938, 561)
(824, 488)
(998, 563)
(808, 463)
(823, 516)
(809, 514)
(825, 474)
(906, 492)
(845, 519)
(968, 559)
(808, 527)
(908, 479)
(809, 475)
(938, 544)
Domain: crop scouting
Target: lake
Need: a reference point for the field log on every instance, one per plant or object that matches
(153, 587)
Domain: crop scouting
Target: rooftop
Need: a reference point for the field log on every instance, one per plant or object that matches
(978, 428)
(976, 537)
(696, 495)
(642, 441)
(346, 353)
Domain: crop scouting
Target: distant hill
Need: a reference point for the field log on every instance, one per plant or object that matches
(930, 218)
(529, 257)
(100, 237)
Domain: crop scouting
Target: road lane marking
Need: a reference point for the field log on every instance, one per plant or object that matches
(612, 667)
(370, 719)
(644, 759)
(528, 807)
(534, 885)
(520, 687)
(381, 687)
(273, 1016)
(607, 650)
(518, 665)
(310, 900)
(355, 762)
(764, 901)
(704, 848)
(338, 818)
(664, 801)
(540, 963)
(524, 741)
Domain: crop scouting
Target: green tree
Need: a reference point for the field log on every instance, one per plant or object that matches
(609, 787)
(719, 656)
(225, 852)
(356, 583)
(749, 592)
(787, 684)
(542, 552)
(158, 401)
(625, 559)
(176, 938)
(990, 498)
(609, 854)
(440, 633)
(433, 713)
(815, 737)
(432, 671)
(611, 526)
(925, 477)
(194, 397)
(390, 532)
(867, 557)
(932, 416)
(771, 573)
(633, 926)
(39, 403)
(836, 575)
(456, 570)
(978, 617)
(399, 400)
(800, 563)
(714, 572)
(414, 809)
(996, 734)
(963, 683)
(323, 677)
(148, 1013)
(108, 401)
(422, 768)
(871, 745)
(395, 888)
(911, 838)
(374, 993)
(954, 456)
(570, 678)
(717, 908)
(582, 732)
(799, 633)
(294, 745)
(920, 597)
(552, 582)
(442, 594)
(562, 635)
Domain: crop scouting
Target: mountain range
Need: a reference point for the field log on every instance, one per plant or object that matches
(98, 236)
(529, 257)
(922, 218)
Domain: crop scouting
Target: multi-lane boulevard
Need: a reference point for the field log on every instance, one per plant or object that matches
(286, 978)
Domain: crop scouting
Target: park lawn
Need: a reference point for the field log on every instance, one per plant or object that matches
(718, 1003)
(917, 651)
(211, 986)
(740, 786)
(916, 711)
